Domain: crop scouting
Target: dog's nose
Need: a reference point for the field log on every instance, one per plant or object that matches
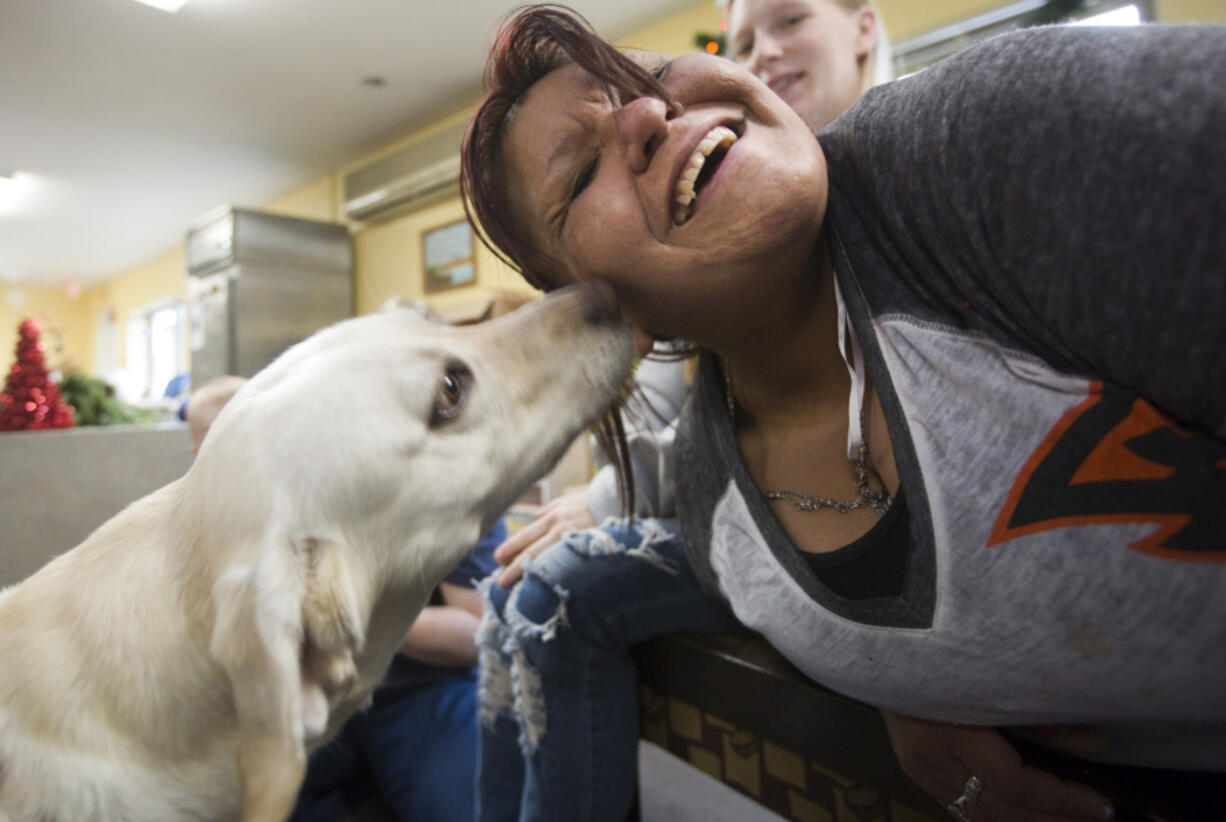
(599, 300)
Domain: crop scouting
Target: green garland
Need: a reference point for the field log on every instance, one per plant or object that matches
(96, 403)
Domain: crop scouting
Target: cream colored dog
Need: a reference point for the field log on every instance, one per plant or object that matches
(180, 662)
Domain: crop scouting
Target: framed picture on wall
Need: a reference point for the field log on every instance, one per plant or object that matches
(447, 257)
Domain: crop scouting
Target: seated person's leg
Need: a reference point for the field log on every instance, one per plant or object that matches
(556, 668)
(422, 749)
(500, 763)
(336, 780)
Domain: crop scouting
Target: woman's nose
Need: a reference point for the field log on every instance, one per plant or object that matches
(641, 126)
(766, 50)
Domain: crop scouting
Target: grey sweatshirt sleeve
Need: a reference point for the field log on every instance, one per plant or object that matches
(650, 431)
(1066, 188)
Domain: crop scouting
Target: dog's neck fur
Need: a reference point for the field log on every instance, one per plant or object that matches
(85, 705)
(174, 664)
(178, 612)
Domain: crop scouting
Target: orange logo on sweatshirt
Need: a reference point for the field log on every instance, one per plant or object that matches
(1114, 459)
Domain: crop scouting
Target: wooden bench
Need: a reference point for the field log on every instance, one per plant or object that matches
(733, 707)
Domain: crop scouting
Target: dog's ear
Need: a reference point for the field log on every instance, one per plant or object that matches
(285, 631)
(331, 623)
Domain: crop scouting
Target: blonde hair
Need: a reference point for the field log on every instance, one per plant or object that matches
(879, 62)
(206, 403)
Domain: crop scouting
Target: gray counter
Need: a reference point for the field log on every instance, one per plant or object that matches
(57, 486)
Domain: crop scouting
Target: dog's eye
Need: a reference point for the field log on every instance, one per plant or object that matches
(451, 389)
(449, 397)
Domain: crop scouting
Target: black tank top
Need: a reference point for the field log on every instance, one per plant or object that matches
(873, 565)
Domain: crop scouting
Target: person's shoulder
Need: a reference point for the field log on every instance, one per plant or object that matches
(1068, 45)
(1002, 73)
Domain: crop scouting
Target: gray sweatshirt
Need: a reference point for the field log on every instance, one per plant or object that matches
(1030, 238)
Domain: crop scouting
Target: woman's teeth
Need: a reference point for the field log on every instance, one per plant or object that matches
(718, 137)
(781, 84)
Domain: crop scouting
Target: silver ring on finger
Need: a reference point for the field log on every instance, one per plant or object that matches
(960, 808)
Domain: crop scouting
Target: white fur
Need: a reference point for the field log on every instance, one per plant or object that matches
(181, 661)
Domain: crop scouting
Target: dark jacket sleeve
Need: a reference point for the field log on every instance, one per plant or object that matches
(1066, 187)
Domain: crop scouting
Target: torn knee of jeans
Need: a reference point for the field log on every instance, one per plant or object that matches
(536, 607)
(492, 630)
(529, 702)
(635, 538)
(495, 692)
(653, 534)
(597, 542)
(495, 696)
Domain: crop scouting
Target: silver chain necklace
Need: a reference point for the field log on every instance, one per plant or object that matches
(869, 497)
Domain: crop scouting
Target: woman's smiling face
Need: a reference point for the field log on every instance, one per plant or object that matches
(685, 213)
(809, 52)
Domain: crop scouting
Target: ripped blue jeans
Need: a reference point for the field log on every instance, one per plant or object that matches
(557, 701)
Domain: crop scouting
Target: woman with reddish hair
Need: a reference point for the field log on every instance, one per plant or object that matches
(950, 447)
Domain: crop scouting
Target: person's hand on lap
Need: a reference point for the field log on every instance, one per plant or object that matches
(568, 512)
(941, 758)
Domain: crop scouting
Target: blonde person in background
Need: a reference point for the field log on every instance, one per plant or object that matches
(206, 403)
(799, 49)
(573, 598)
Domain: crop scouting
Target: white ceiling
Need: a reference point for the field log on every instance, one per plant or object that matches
(125, 124)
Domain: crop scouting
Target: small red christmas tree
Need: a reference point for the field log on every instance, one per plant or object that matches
(30, 399)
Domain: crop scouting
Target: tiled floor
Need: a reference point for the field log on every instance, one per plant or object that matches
(672, 790)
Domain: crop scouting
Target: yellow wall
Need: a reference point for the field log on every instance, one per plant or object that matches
(159, 279)
(1190, 11)
(67, 326)
(317, 201)
(388, 251)
(388, 261)
(675, 35)
(907, 18)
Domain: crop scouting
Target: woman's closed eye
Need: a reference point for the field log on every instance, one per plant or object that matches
(586, 175)
(588, 172)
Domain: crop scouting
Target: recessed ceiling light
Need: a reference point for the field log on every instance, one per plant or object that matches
(165, 5)
(13, 191)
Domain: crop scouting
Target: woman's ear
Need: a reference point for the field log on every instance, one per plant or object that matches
(866, 30)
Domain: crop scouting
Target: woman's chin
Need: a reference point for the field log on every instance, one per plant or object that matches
(643, 342)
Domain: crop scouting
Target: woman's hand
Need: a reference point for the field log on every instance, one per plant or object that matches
(568, 512)
(940, 758)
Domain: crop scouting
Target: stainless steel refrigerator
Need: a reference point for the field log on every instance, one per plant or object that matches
(260, 283)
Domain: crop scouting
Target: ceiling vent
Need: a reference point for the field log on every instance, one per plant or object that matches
(422, 172)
